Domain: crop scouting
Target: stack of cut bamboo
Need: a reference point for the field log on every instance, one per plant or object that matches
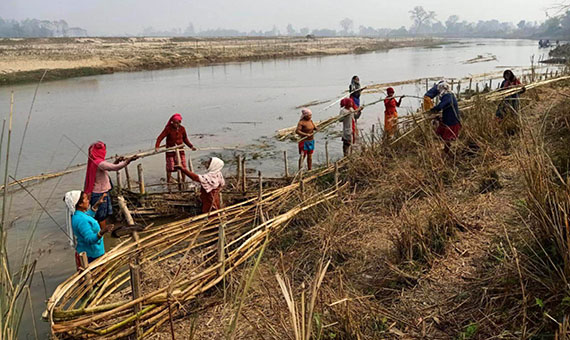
(99, 301)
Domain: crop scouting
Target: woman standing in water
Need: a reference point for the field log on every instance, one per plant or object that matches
(354, 90)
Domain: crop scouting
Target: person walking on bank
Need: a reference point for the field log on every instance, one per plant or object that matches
(306, 129)
(87, 233)
(211, 184)
(450, 120)
(97, 182)
(351, 113)
(175, 134)
(390, 113)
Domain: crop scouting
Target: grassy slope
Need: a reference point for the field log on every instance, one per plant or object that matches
(423, 245)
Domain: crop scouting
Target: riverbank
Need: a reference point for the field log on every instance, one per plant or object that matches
(25, 60)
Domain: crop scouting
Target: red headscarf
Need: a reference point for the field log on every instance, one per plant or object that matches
(176, 116)
(390, 91)
(348, 103)
(97, 152)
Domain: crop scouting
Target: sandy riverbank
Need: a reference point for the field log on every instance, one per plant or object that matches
(24, 60)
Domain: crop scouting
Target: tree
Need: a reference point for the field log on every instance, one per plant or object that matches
(304, 31)
(346, 25)
(189, 31)
(290, 30)
(421, 17)
(451, 23)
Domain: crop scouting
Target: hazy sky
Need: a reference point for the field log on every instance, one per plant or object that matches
(130, 16)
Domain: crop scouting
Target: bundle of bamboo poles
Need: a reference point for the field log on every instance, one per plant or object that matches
(105, 301)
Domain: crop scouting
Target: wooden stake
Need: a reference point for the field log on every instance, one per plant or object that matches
(302, 185)
(84, 264)
(458, 89)
(125, 210)
(128, 178)
(371, 136)
(490, 84)
(286, 163)
(119, 184)
(260, 181)
(477, 88)
(221, 246)
(190, 165)
(327, 152)
(136, 293)
(336, 175)
(238, 170)
(179, 163)
(427, 84)
(470, 83)
(243, 176)
(141, 178)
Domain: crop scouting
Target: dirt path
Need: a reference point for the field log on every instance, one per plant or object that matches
(24, 60)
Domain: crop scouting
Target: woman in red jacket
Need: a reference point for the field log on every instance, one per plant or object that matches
(391, 113)
(175, 135)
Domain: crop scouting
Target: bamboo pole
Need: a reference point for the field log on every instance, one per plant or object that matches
(301, 184)
(84, 264)
(128, 178)
(327, 152)
(336, 175)
(190, 165)
(179, 172)
(286, 164)
(136, 293)
(119, 184)
(427, 84)
(141, 179)
(125, 210)
(238, 171)
(243, 176)
(470, 84)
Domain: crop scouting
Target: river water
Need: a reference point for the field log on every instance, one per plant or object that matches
(232, 105)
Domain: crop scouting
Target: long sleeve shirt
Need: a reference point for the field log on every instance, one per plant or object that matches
(85, 229)
(102, 182)
(432, 92)
(450, 109)
(351, 115)
(173, 137)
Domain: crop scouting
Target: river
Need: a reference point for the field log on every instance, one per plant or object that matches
(235, 105)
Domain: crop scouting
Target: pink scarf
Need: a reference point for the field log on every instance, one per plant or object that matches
(97, 152)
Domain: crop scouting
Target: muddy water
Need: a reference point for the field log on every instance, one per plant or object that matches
(238, 105)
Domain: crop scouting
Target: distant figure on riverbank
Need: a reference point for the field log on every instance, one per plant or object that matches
(511, 103)
(430, 95)
(211, 184)
(354, 90)
(87, 233)
(450, 120)
(306, 129)
(351, 114)
(97, 182)
(390, 113)
(175, 134)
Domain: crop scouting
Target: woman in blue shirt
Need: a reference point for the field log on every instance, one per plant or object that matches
(86, 230)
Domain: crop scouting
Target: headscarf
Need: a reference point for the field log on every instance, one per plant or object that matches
(347, 103)
(305, 112)
(390, 91)
(71, 198)
(355, 85)
(512, 77)
(443, 88)
(176, 116)
(97, 152)
(214, 178)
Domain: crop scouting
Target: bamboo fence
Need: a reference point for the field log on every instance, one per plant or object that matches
(99, 302)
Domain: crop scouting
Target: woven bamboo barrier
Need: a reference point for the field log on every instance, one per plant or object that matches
(104, 307)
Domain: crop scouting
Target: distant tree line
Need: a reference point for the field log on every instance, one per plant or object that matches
(424, 23)
(34, 28)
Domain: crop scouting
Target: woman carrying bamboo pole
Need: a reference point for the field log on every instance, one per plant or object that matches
(306, 129)
(175, 134)
(390, 113)
(450, 120)
(512, 102)
(87, 233)
(351, 113)
(211, 183)
(97, 182)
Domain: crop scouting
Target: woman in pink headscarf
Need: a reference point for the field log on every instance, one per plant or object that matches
(97, 181)
(175, 134)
